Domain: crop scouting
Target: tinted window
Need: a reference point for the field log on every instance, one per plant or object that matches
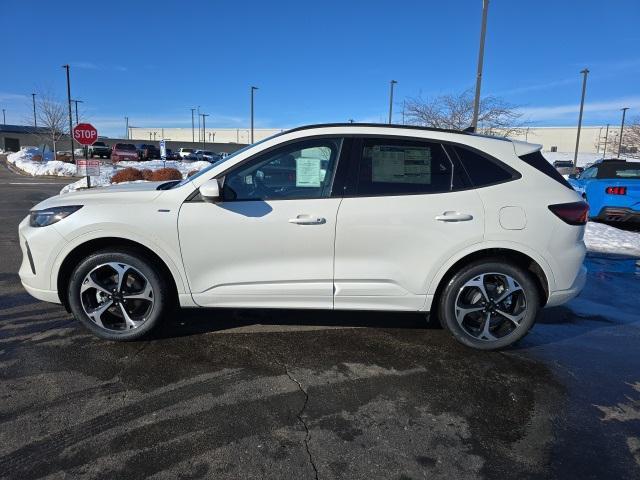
(300, 170)
(396, 167)
(125, 146)
(537, 161)
(482, 170)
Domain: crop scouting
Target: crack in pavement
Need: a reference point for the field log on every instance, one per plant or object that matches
(125, 367)
(307, 437)
(282, 364)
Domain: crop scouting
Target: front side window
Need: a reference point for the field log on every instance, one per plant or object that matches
(296, 171)
(397, 167)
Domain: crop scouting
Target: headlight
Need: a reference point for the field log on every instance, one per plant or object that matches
(49, 216)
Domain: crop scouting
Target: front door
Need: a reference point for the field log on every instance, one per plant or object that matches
(270, 241)
(409, 209)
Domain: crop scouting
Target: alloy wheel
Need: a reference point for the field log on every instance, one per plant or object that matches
(117, 297)
(490, 306)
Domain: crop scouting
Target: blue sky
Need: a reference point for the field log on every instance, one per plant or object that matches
(317, 61)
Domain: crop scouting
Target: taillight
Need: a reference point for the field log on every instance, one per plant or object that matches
(574, 213)
(616, 190)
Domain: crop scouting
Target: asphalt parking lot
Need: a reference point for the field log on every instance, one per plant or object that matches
(295, 394)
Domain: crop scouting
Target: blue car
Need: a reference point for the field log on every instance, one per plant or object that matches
(612, 189)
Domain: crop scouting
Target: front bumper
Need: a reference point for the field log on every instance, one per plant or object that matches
(40, 247)
(618, 214)
(563, 296)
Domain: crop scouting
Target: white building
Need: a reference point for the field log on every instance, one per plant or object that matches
(563, 139)
(552, 139)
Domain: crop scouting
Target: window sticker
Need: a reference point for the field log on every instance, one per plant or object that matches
(308, 172)
(391, 164)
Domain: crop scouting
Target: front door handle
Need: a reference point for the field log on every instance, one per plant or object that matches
(454, 217)
(307, 220)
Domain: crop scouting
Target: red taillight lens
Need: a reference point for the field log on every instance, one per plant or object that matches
(575, 213)
(616, 190)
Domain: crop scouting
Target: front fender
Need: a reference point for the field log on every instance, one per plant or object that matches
(171, 259)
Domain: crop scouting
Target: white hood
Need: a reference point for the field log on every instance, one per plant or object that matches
(130, 192)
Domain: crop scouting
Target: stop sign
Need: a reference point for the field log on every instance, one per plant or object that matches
(85, 134)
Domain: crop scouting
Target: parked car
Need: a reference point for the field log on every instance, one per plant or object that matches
(612, 189)
(171, 155)
(187, 153)
(564, 167)
(99, 149)
(206, 155)
(123, 151)
(147, 151)
(481, 231)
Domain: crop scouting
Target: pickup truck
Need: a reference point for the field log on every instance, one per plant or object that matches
(99, 149)
(147, 151)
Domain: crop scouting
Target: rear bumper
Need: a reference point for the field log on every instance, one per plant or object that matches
(562, 296)
(618, 214)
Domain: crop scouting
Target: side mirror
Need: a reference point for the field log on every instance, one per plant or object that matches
(210, 191)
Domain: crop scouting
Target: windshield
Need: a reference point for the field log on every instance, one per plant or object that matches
(231, 156)
(125, 146)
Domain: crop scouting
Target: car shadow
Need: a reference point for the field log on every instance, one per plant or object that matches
(185, 322)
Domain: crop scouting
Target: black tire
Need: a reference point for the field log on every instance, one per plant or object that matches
(160, 288)
(454, 288)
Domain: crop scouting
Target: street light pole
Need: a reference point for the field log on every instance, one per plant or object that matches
(392, 83)
(193, 127)
(199, 131)
(35, 119)
(126, 126)
(77, 102)
(204, 130)
(73, 155)
(584, 73)
(4, 117)
(606, 138)
(624, 112)
(483, 34)
(253, 89)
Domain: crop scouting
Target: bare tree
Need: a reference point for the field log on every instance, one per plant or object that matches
(631, 139)
(52, 117)
(455, 112)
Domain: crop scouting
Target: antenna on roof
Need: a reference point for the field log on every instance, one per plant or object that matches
(470, 129)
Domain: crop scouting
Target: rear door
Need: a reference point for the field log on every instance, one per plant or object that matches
(408, 208)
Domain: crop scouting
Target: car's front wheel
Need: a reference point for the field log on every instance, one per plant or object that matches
(489, 305)
(118, 294)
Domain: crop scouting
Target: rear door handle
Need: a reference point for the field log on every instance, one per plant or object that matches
(454, 217)
(307, 220)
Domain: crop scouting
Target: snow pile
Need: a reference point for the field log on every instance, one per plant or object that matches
(607, 239)
(107, 170)
(25, 161)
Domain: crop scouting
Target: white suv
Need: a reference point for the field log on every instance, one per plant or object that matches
(481, 232)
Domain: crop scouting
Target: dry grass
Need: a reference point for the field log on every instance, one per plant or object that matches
(164, 174)
(128, 174)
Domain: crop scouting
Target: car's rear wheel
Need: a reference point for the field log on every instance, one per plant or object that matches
(489, 305)
(118, 295)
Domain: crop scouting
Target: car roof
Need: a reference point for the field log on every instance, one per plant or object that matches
(463, 136)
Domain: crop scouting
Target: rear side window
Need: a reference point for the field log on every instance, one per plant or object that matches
(483, 171)
(537, 161)
(397, 167)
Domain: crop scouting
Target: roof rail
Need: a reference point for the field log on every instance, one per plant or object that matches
(378, 125)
